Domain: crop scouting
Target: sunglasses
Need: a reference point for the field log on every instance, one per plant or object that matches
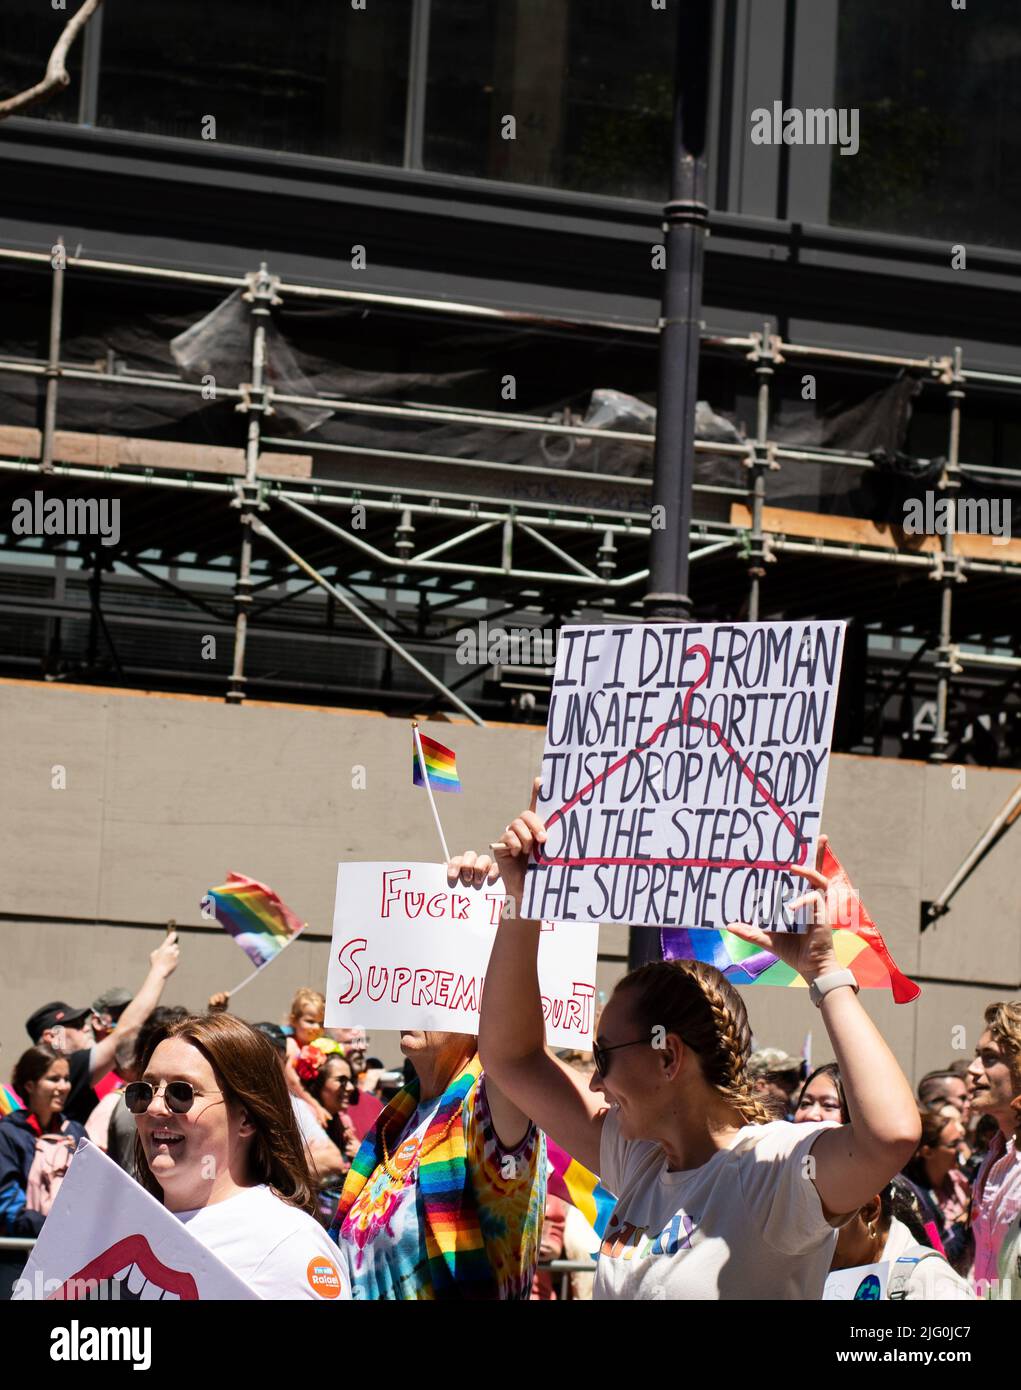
(178, 1096)
(600, 1055)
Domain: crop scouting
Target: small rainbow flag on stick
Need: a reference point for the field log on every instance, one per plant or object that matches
(9, 1102)
(260, 923)
(440, 765)
(860, 948)
(572, 1182)
(434, 767)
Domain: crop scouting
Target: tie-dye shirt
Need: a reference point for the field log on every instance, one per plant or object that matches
(382, 1236)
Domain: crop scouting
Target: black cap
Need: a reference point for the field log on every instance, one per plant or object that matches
(274, 1033)
(52, 1014)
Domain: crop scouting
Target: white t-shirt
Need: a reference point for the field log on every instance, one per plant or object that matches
(929, 1278)
(747, 1224)
(278, 1251)
(311, 1130)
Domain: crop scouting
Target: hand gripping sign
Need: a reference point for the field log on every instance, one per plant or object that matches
(684, 773)
(107, 1238)
(410, 951)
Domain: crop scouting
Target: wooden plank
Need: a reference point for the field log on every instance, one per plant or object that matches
(113, 451)
(855, 530)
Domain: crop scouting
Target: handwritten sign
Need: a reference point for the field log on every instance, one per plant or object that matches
(684, 773)
(107, 1238)
(410, 951)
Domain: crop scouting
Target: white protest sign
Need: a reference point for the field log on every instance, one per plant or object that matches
(861, 1284)
(684, 773)
(410, 951)
(107, 1238)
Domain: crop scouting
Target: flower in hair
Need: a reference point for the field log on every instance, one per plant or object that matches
(308, 1062)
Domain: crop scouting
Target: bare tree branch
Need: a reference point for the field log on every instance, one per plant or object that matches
(56, 72)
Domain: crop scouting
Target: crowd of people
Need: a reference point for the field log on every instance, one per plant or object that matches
(285, 1147)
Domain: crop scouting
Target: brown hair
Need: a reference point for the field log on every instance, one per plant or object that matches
(933, 1124)
(304, 997)
(314, 1085)
(33, 1063)
(248, 1073)
(695, 1001)
(1004, 1022)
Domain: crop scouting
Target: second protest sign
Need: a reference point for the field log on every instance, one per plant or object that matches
(411, 951)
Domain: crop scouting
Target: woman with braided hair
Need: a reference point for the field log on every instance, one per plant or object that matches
(714, 1199)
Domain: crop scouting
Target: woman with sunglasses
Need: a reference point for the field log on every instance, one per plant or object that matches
(327, 1077)
(714, 1200)
(219, 1145)
(942, 1190)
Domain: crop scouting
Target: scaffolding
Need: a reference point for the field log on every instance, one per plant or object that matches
(552, 559)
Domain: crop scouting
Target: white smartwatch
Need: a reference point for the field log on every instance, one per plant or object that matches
(833, 979)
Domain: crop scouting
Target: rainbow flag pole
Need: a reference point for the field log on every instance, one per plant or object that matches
(428, 786)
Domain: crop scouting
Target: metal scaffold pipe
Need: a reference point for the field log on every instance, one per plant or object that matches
(261, 529)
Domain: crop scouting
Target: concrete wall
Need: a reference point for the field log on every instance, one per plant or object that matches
(165, 794)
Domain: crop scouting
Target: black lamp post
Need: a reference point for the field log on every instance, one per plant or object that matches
(686, 220)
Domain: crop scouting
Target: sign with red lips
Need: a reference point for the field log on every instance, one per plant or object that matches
(106, 1238)
(132, 1263)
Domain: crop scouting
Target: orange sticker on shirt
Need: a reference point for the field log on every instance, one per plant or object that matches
(406, 1155)
(324, 1277)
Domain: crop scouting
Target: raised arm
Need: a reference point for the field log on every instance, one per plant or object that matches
(162, 964)
(857, 1160)
(512, 1036)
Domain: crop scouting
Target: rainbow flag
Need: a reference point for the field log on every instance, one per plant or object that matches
(860, 948)
(570, 1181)
(254, 916)
(9, 1102)
(440, 765)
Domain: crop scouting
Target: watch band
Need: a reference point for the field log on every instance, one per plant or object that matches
(833, 979)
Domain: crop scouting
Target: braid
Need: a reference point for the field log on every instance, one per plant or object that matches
(734, 1041)
(699, 1004)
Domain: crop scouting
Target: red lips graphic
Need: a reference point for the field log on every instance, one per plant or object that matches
(132, 1250)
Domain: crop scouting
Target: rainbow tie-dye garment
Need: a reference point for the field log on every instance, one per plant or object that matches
(461, 1223)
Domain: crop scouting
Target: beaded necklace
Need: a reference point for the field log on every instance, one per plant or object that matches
(401, 1177)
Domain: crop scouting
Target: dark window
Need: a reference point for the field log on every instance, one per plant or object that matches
(315, 77)
(28, 31)
(939, 91)
(588, 83)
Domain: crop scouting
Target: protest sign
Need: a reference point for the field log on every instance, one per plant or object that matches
(684, 773)
(107, 1238)
(861, 1284)
(410, 951)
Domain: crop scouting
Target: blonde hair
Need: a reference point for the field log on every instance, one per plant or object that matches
(697, 1003)
(306, 998)
(1004, 1022)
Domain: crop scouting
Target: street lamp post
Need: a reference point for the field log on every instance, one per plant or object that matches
(686, 220)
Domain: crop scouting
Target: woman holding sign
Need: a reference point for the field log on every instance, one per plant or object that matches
(714, 1200)
(219, 1145)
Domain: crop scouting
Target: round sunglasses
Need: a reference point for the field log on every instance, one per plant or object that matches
(178, 1096)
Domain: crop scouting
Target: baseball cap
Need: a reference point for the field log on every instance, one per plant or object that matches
(52, 1014)
(772, 1059)
(274, 1033)
(112, 1001)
